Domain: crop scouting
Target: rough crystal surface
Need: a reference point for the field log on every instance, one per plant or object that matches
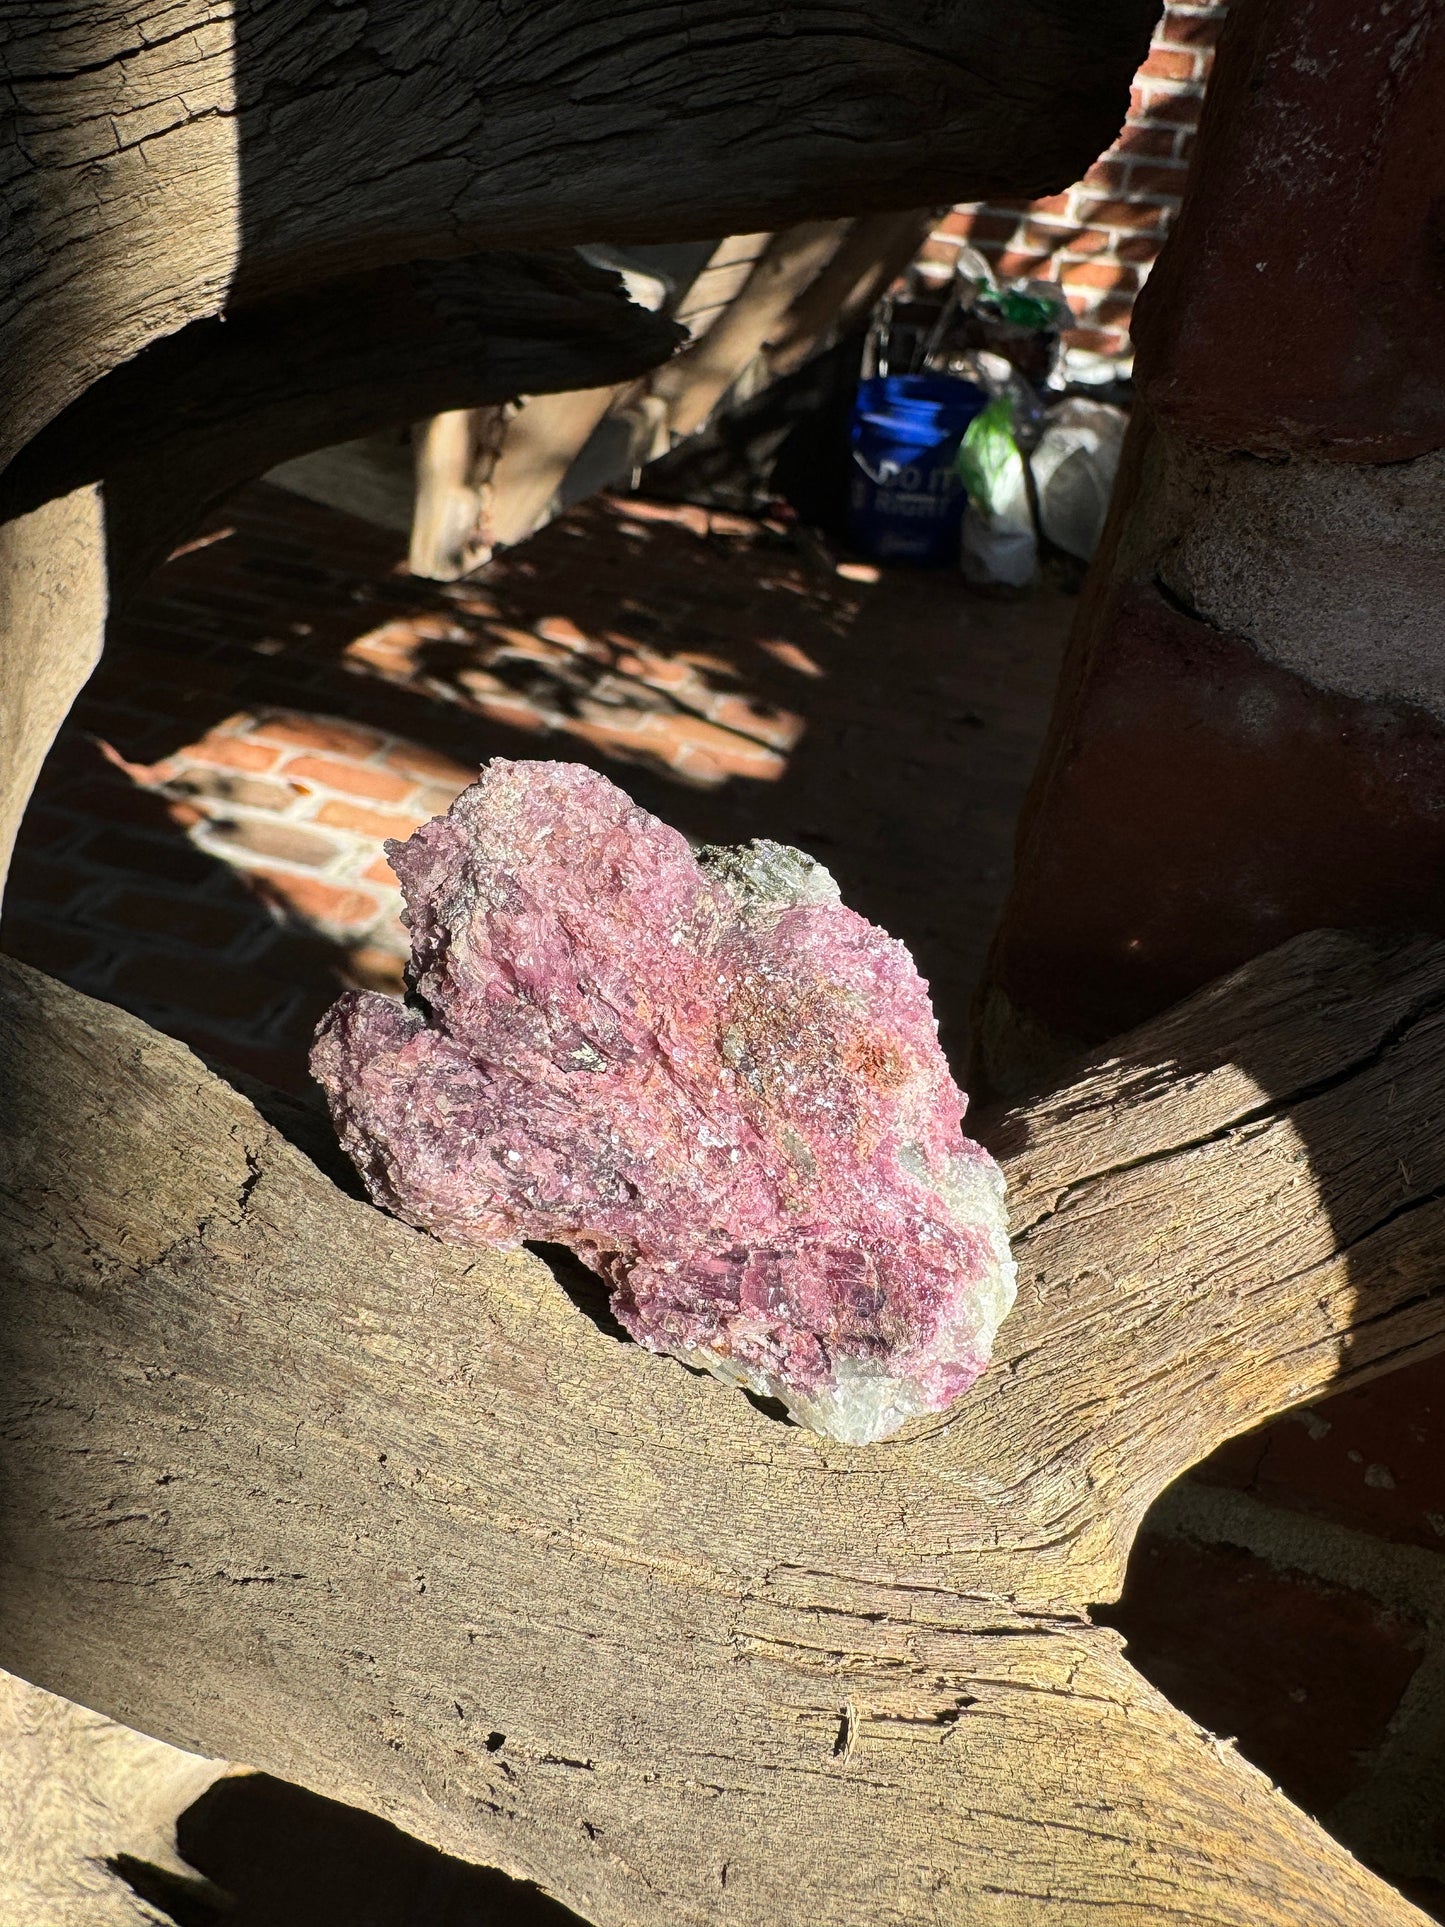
(718, 1085)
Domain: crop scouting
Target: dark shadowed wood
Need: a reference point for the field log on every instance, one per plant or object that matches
(193, 416)
(289, 1482)
(164, 163)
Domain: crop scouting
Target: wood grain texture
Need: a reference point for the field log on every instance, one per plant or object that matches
(54, 597)
(286, 1481)
(164, 157)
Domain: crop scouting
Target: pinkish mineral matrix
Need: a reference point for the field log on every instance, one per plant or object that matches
(719, 1086)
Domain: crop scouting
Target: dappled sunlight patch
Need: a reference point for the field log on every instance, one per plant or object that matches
(298, 806)
(684, 714)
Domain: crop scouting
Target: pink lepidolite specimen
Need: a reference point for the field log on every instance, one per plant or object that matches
(718, 1085)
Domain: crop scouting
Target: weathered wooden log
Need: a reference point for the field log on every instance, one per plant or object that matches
(286, 1481)
(76, 1792)
(166, 159)
(101, 1826)
(53, 601)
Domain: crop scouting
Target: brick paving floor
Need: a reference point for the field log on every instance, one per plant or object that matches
(205, 846)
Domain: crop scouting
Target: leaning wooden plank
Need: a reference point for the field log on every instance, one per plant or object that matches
(695, 381)
(541, 443)
(410, 1525)
(453, 453)
(871, 255)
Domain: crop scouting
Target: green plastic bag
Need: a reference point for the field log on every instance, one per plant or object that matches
(988, 457)
(1029, 310)
(998, 545)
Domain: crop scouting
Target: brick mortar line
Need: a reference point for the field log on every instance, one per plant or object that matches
(1066, 224)
(1409, 1579)
(1123, 158)
(304, 809)
(1133, 166)
(101, 883)
(81, 824)
(1135, 196)
(1393, 1814)
(91, 902)
(268, 1024)
(239, 858)
(319, 793)
(207, 837)
(1095, 262)
(88, 899)
(254, 726)
(69, 850)
(1155, 203)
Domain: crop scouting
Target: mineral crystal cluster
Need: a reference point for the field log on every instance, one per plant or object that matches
(718, 1085)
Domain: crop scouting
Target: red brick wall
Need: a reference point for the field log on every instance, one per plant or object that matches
(1100, 237)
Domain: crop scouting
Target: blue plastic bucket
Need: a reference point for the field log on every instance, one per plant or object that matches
(905, 499)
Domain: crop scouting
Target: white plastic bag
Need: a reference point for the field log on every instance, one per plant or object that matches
(1074, 467)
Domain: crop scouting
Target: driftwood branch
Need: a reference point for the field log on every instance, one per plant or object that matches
(288, 1482)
